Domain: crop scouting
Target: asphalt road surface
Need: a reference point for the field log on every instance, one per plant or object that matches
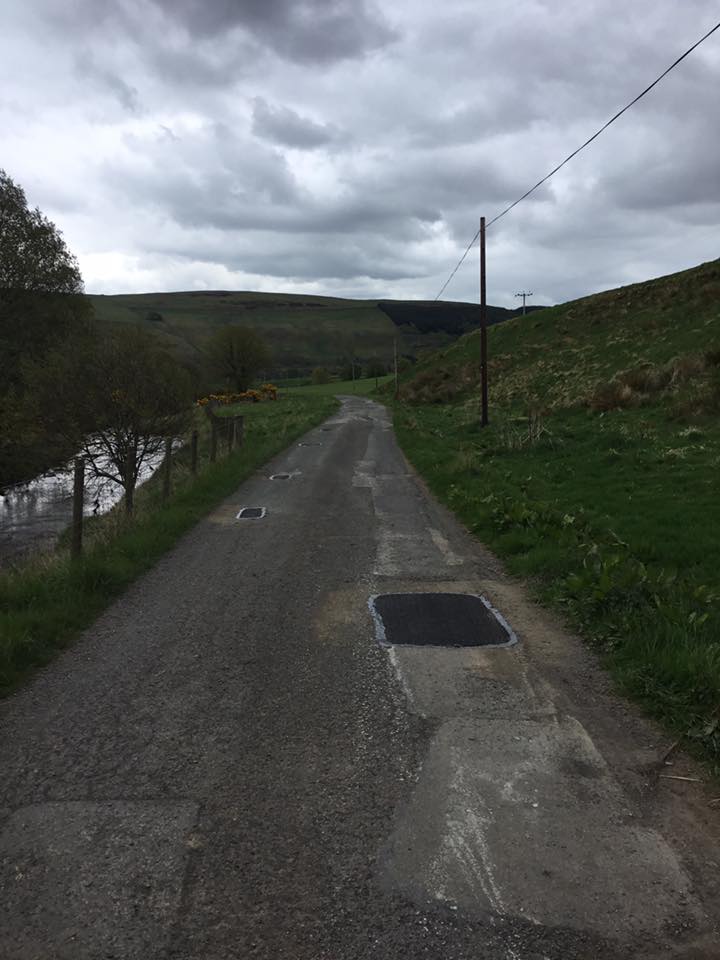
(229, 765)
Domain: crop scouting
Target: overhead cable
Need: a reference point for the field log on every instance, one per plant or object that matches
(577, 151)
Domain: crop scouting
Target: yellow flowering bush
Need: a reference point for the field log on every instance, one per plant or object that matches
(266, 392)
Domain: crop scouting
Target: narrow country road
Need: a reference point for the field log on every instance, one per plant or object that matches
(229, 765)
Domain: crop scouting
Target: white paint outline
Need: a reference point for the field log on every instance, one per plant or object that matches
(286, 475)
(263, 513)
(381, 635)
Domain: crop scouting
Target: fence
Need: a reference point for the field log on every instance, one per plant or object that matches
(229, 431)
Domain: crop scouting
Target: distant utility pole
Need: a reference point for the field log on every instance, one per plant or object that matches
(483, 330)
(524, 294)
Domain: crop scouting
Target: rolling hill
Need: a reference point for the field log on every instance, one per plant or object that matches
(302, 331)
(559, 357)
(598, 476)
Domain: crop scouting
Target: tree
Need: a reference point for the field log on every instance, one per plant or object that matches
(41, 289)
(351, 370)
(121, 398)
(238, 354)
(376, 368)
(320, 375)
(41, 305)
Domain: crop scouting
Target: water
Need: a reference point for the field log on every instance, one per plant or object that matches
(33, 515)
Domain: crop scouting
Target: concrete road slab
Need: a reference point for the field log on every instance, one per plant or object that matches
(525, 820)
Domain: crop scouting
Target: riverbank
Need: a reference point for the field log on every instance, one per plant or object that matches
(34, 515)
(47, 602)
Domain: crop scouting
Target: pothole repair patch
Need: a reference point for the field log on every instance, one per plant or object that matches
(251, 513)
(439, 620)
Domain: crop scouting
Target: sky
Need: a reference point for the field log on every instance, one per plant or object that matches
(345, 148)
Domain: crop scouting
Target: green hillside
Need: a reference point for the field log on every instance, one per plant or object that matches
(302, 331)
(599, 474)
(557, 357)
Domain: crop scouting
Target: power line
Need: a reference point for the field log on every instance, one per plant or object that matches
(577, 151)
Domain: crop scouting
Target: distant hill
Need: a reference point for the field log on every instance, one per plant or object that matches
(302, 331)
(454, 319)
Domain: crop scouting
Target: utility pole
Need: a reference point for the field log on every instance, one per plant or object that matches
(483, 330)
(524, 294)
(397, 385)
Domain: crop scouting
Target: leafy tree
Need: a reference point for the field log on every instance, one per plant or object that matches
(41, 305)
(238, 354)
(119, 399)
(320, 375)
(41, 289)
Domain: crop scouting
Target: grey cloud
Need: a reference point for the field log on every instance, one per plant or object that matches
(304, 31)
(284, 126)
(88, 69)
(270, 138)
(242, 185)
(342, 257)
(319, 31)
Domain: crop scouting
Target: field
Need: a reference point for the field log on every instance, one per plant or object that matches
(48, 601)
(302, 331)
(359, 387)
(598, 476)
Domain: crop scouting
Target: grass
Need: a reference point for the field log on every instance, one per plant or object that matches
(558, 357)
(612, 512)
(47, 602)
(349, 387)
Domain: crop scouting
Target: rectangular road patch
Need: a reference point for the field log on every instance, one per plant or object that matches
(439, 620)
(251, 513)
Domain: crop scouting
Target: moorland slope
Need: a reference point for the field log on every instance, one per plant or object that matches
(599, 474)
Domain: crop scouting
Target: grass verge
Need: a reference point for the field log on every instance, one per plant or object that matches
(614, 519)
(47, 602)
(348, 387)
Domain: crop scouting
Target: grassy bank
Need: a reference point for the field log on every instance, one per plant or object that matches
(46, 603)
(616, 527)
(598, 477)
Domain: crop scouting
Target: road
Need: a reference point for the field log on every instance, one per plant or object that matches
(228, 765)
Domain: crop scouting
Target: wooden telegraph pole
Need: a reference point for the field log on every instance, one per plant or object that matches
(483, 330)
(397, 385)
(78, 498)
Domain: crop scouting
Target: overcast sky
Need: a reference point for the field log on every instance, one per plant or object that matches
(342, 147)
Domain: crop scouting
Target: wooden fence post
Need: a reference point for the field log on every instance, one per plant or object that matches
(239, 430)
(230, 432)
(167, 465)
(194, 452)
(213, 440)
(78, 502)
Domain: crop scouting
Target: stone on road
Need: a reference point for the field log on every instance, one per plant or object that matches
(228, 764)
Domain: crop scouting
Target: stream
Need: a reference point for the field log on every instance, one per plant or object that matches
(34, 514)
